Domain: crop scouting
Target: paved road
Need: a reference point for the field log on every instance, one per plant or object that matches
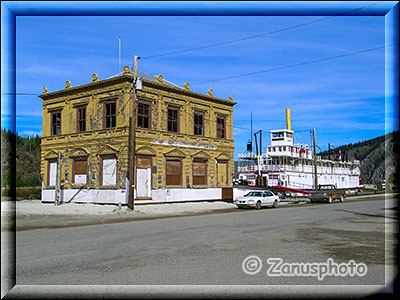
(210, 249)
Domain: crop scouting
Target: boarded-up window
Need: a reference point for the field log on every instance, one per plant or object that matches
(143, 162)
(109, 173)
(199, 172)
(80, 170)
(174, 172)
(222, 169)
(52, 173)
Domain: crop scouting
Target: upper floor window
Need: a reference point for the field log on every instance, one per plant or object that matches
(221, 127)
(110, 114)
(198, 123)
(56, 122)
(173, 119)
(81, 119)
(143, 115)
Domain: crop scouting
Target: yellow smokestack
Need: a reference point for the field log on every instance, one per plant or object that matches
(288, 119)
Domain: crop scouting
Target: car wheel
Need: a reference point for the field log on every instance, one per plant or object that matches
(341, 198)
(258, 205)
(330, 199)
(275, 205)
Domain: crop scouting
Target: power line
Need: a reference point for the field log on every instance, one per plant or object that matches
(257, 35)
(20, 94)
(295, 65)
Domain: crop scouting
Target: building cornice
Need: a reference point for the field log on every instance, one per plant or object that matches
(87, 87)
(188, 92)
(129, 78)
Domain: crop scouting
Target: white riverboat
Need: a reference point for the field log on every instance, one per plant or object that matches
(289, 165)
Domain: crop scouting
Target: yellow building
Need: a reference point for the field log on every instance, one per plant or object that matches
(184, 141)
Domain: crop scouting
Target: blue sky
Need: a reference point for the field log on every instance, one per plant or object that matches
(342, 98)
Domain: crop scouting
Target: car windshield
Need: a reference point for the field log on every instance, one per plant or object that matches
(325, 187)
(254, 194)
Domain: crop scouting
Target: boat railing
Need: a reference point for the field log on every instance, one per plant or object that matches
(300, 168)
(301, 185)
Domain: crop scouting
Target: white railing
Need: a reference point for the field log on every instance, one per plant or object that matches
(305, 168)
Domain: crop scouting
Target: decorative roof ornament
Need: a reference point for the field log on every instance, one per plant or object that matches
(94, 77)
(187, 86)
(127, 70)
(44, 90)
(210, 92)
(67, 84)
(159, 79)
(230, 97)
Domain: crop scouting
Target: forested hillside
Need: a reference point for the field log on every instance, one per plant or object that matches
(27, 159)
(371, 154)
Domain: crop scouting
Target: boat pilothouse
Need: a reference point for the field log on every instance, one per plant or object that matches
(291, 165)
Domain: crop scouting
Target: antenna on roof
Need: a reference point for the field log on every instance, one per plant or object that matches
(251, 131)
(119, 54)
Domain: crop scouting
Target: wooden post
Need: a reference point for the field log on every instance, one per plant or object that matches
(132, 141)
(261, 160)
(315, 162)
(58, 179)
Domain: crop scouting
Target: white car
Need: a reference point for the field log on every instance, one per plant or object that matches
(257, 199)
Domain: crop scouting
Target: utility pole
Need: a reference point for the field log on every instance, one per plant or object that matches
(260, 159)
(257, 159)
(251, 130)
(58, 179)
(315, 162)
(251, 137)
(132, 141)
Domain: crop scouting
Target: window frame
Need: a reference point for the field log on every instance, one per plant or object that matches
(143, 102)
(103, 157)
(50, 161)
(177, 109)
(226, 162)
(224, 124)
(105, 103)
(52, 113)
(75, 159)
(78, 108)
(201, 114)
(200, 160)
(166, 171)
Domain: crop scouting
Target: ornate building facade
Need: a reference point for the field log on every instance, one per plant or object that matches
(184, 141)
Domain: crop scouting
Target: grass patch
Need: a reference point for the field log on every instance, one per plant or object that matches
(24, 193)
